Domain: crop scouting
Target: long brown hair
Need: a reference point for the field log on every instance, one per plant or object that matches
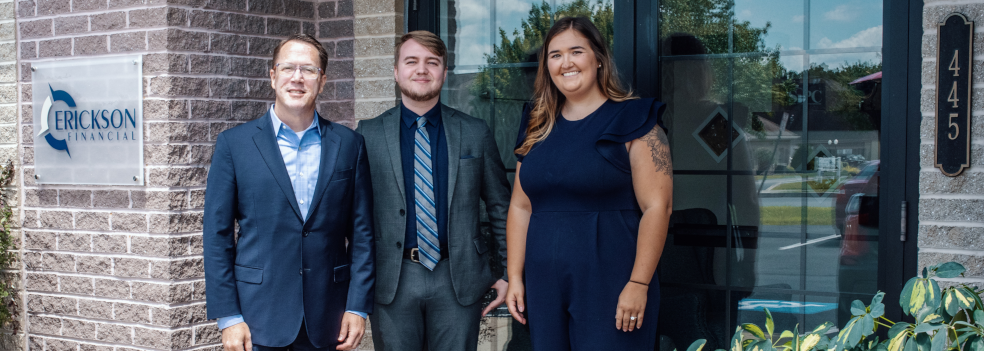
(547, 100)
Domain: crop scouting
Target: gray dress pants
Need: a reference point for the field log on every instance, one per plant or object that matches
(425, 315)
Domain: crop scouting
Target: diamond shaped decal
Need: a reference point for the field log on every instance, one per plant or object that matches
(713, 134)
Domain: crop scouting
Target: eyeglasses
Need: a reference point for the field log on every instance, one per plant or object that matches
(307, 71)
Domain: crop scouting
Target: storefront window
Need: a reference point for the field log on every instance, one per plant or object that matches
(774, 112)
(492, 64)
(774, 117)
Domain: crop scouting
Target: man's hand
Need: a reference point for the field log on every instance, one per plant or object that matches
(500, 287)
(237, 338)
(353, 326)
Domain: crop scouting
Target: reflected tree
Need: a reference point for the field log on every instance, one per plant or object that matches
(523, 45)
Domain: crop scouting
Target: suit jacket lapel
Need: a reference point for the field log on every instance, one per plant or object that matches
(329, 154)
(266, 142)
(452, 133)
(391, 131)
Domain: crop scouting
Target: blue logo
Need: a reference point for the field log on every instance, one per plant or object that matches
(56, 95)
(85, 125)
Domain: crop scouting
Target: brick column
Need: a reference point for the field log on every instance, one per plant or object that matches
(11, 338)
(951, 209)
(378, 23)
(335, 33)
(120, 267)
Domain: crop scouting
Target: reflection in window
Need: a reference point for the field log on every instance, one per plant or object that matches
(492, 65)
(780, 103)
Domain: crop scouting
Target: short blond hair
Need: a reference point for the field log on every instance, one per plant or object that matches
(429, 40)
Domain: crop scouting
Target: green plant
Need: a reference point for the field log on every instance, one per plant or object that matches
(945, 319)
(8, 310)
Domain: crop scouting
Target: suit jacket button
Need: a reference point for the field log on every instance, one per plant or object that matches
(301, 272)
(402, 212)
(399, 245)
(306, 234)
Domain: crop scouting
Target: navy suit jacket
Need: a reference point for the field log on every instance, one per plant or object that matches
(284, 269)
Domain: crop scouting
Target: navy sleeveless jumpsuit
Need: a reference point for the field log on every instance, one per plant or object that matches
(581, 241)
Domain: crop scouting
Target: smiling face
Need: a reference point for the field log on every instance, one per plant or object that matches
(419, 72)
(572, 64)
(293, 90)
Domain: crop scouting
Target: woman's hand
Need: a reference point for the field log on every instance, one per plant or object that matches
(515, 297)
(631, 303)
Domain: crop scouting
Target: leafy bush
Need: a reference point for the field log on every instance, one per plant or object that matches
(947, 319)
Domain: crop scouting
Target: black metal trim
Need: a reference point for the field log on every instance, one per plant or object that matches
(422, 15)
(901, 84)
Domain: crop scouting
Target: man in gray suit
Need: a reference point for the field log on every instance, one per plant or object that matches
(431, 165)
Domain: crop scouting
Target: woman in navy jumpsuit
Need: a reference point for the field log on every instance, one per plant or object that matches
(591, 202)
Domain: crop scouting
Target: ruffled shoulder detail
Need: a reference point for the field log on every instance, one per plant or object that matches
(630, 120)
(523, 123)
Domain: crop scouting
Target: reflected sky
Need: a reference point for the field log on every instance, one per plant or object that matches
(834, 24)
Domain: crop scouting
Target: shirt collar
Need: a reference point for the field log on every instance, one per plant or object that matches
(410, 117)
(277, 123)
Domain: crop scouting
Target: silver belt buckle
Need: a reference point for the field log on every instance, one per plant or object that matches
(415, 255)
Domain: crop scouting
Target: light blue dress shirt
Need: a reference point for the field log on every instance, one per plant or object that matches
(302, 156)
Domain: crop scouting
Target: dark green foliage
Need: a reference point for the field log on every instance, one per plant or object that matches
(953, 323)
(8, 257)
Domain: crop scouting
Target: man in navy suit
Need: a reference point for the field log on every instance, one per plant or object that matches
(299, 273)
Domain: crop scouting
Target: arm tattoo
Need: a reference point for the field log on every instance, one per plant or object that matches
(660, 146)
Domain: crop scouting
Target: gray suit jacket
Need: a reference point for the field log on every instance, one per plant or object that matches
(479, 177)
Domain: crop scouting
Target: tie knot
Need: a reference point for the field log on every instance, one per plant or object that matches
(421, 121)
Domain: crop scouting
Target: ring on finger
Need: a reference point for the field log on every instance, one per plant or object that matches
(633, 318)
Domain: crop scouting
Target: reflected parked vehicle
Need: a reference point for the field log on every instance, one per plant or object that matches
(852, 187)
(859, 245)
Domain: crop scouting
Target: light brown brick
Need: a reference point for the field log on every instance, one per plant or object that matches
(95, 309)
(58, 262)
(42, 282)
(74, 242)
(75, 198)
(114, 333)
(95, 264)
(40, 240)
(108, 21)
(151, 292)
(134, 313)
(109, 243)
(76, 285)
(56, 219)
(130, 222)
(92, 220)
(131, 267)
(112, 288)
(116, 199)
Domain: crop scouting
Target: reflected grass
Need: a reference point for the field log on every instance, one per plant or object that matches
(793, 215)
(820, 186)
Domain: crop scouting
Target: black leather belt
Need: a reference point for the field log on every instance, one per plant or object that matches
(414, 254)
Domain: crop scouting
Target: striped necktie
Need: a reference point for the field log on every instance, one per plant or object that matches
(423, 184)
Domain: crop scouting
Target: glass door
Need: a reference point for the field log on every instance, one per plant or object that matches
(774, 112)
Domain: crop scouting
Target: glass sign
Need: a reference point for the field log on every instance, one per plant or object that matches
(88, 121)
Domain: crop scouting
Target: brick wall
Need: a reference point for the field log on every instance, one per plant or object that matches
(120, 267)
(335, 31)
(12, 338)
(378, 23)
(951, 210)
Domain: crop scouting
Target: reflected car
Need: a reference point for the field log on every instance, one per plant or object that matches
(851, 187)
(858, 265)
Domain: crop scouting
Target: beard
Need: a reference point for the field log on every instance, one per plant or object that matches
(415, 96)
